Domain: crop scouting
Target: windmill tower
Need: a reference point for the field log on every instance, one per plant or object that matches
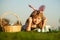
(59, 21)
(59, 24)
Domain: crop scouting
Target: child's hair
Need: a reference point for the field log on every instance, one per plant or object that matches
(34, 14)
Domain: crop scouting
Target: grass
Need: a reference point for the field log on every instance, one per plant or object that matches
(30, 35)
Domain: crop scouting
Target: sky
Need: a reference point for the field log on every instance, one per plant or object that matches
(20, 7)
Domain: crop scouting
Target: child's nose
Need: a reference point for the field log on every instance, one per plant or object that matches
(36, 19)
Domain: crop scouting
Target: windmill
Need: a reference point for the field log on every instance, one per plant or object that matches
(59, 21)
(59, 24)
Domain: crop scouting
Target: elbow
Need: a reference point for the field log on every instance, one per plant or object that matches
(28, 29)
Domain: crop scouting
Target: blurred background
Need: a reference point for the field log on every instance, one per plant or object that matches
(21, 8)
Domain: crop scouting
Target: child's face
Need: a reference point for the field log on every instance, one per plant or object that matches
(36, 20)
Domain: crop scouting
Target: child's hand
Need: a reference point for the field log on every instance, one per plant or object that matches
(30, 19)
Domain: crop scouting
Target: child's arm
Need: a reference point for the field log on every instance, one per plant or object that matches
(28, 28)
(44, 22)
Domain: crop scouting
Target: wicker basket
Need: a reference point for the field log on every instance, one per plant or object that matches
(11, 28)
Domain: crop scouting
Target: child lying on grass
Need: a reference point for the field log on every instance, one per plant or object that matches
(35, 21)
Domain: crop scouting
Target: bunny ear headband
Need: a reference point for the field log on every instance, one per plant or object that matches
(42, 7)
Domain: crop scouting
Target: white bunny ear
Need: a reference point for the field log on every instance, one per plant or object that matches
(32, 7)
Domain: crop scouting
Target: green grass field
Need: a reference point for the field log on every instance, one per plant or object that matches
(30, 36)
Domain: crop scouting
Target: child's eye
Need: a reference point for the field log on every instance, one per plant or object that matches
(39, 18)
